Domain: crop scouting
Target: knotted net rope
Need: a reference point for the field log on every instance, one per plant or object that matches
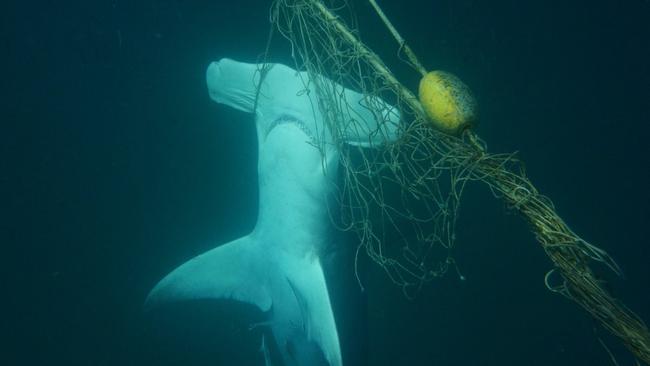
(402, 198)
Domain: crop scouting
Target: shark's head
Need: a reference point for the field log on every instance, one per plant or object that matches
(275, 91)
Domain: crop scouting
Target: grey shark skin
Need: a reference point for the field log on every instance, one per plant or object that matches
(277, 267)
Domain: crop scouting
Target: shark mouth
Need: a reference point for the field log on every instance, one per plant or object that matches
(287, 119)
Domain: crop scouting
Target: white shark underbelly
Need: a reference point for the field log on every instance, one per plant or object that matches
(295, 186)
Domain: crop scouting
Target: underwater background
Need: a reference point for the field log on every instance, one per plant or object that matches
(116, 168)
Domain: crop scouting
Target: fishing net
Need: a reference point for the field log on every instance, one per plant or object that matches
(402, 197)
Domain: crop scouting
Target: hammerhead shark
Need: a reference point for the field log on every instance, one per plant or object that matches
(277, 267)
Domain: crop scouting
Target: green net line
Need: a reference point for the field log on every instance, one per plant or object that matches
(402, 198)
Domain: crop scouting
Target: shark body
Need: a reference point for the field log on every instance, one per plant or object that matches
(277, 267)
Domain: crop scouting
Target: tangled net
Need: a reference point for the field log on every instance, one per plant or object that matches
(402, 198)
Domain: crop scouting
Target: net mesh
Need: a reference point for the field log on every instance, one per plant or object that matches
(402, 197)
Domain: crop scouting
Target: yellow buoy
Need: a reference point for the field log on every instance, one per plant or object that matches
(448, 102)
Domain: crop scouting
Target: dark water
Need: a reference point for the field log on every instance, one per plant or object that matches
(116, 167)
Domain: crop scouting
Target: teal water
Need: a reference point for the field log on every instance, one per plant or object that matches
(116, 167)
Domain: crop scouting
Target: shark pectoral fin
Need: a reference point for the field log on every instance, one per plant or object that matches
(231, 271)
(315, 318)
